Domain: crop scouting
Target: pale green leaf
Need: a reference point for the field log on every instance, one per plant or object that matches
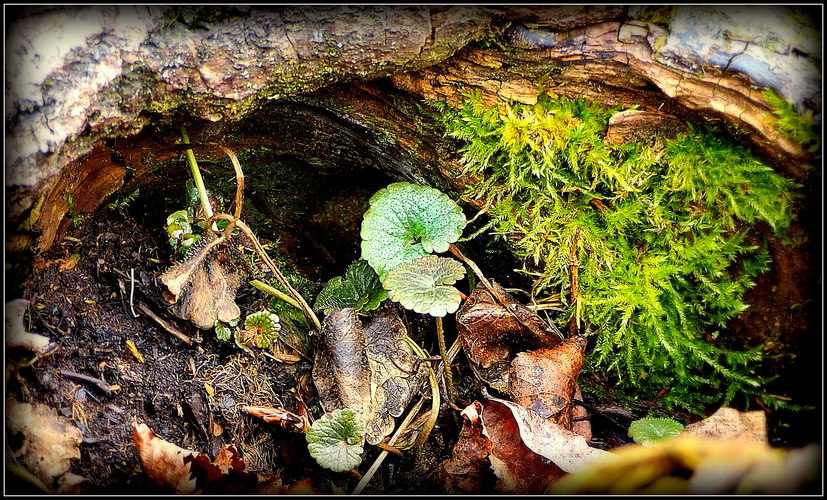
(266, 327)
(423, 285)
(359, 289)
(406, 221)
(649, 429)
(335, 440)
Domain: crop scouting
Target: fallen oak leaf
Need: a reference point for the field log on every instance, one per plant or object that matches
(45, 441)
(465, 471)
(172, 469)
(545, 380)
(729, 423)
(519, 469)
(566, 449)
(204, 285)
(16, 334)
(491, 333)
(370, 370)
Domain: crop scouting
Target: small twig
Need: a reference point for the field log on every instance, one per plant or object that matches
(449, 381)
(239, 177)
(435, 399)
(575, 292)
(132, 291)
(86, 378)
(381, 458)
(166, 326)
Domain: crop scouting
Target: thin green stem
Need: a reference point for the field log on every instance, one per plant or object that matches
(264, 287)
(196, 175)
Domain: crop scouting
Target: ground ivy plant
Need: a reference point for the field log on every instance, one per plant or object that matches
(663, 231)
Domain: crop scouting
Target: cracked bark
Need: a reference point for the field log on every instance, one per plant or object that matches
(323, 71)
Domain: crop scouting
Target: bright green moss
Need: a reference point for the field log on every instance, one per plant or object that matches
(666, 248)
(791, 124)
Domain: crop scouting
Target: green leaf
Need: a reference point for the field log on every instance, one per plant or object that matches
(406, 221)
(336, 440)
(649, 429)
(422, 285)
(359, 289)
(266, 326)
(224, 331)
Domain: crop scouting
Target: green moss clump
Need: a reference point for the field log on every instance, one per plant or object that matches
(791, 124)
(666, 245)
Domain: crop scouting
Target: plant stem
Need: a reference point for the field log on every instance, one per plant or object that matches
(308, 311)
(575, 292)
(196, 176)
(264, 287)
(449, 383)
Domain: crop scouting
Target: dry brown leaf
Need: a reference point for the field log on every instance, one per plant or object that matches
(204, 285)
(545, 380)
(520, 470)
(163, 462)
(172, 469)
(465, 471)
(396, 374)
(47, 440)
(370, 370)
(567, 450)
(729, 423)
(491, 333)
(340, 369)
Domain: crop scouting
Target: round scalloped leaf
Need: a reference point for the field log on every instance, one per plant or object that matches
(336, 440)
(424, 285)
(649, 429)
(406, 221)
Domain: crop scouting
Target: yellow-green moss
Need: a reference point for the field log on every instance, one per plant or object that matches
(665, 248)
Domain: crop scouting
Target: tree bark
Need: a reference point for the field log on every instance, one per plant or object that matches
(311, 81)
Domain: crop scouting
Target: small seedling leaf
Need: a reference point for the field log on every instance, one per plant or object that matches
(406, 221)
(336, 440)
(423, 285)
(265, 328)
(359, 289)
(649, 429)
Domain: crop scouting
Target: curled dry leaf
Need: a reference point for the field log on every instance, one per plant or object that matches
(279, 416)
(729, 423)
(520, 470)
(172, 469)
(564, 448)
(205, 284)
(47, 441)
(340, 369)
(545, 380)
(465, 471)
(370, 369)
(491, 333)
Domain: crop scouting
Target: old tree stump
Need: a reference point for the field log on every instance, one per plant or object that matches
(95, 97)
